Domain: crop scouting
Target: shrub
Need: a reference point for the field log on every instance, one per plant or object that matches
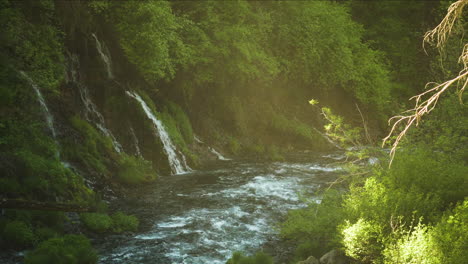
(44, 233)
(315, 228)
(96, 222)
(450, 235)
(18, 234)
(258, 258)
(363, 241)
(63, 250)
(417, 247)
(123, 222)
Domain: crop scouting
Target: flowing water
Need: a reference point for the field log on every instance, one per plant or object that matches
(204, 216)
(48, 116)
(95, 117)
(218, 155)
(104, 54)
(136, 144)
(176, 158)
(92, 113)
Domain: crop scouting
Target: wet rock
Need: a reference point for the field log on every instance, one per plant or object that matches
(335, 257)
(309, 260)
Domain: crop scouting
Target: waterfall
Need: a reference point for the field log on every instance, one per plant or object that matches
(102, 49)
(178, 165)
(198, 140)
(48, 116)
(92, 114)
(135, 142)
(220, 157)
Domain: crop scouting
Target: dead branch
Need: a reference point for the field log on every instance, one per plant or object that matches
(438, 36)
(441, 32)
(421, 108)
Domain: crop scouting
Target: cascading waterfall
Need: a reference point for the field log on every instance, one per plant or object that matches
(94, 116)
(48, 116)
(91, 114)
(220, 157)
(102, 49)
(178, 164)
(135, 142)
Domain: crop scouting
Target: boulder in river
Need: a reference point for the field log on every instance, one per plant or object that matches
(309, 260)
(335, 256)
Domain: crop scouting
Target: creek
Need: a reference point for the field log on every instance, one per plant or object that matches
(205, 215)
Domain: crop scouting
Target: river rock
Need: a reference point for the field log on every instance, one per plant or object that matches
(309, 260)
(335, 257)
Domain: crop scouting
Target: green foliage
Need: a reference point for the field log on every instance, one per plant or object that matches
(450, 235)
(258, 258)
(96, 222)
(63, 250)
(18, 234)
(339, 131)
(148, 35)
(314, 228)
(34, 42)
(122, 222)
(363, 241)
(417, 246)
(134, 170)
(44, 233)
(91, 147)
(182, 121)
(117, 223)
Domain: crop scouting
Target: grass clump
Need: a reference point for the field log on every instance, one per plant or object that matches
(75, 249)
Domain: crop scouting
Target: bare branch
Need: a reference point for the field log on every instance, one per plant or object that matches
(438, 37)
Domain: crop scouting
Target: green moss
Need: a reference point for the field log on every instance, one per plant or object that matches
(93, 149)
(96, 222)
(63, 250)
(18, 234)
(182, 121)
(123, 222)
(134, 170)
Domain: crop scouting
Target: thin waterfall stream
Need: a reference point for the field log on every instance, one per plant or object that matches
(104, 54)
(92, 113)
(47, 115)
(176, 158)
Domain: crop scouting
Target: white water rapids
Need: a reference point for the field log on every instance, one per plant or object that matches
(204, 216)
